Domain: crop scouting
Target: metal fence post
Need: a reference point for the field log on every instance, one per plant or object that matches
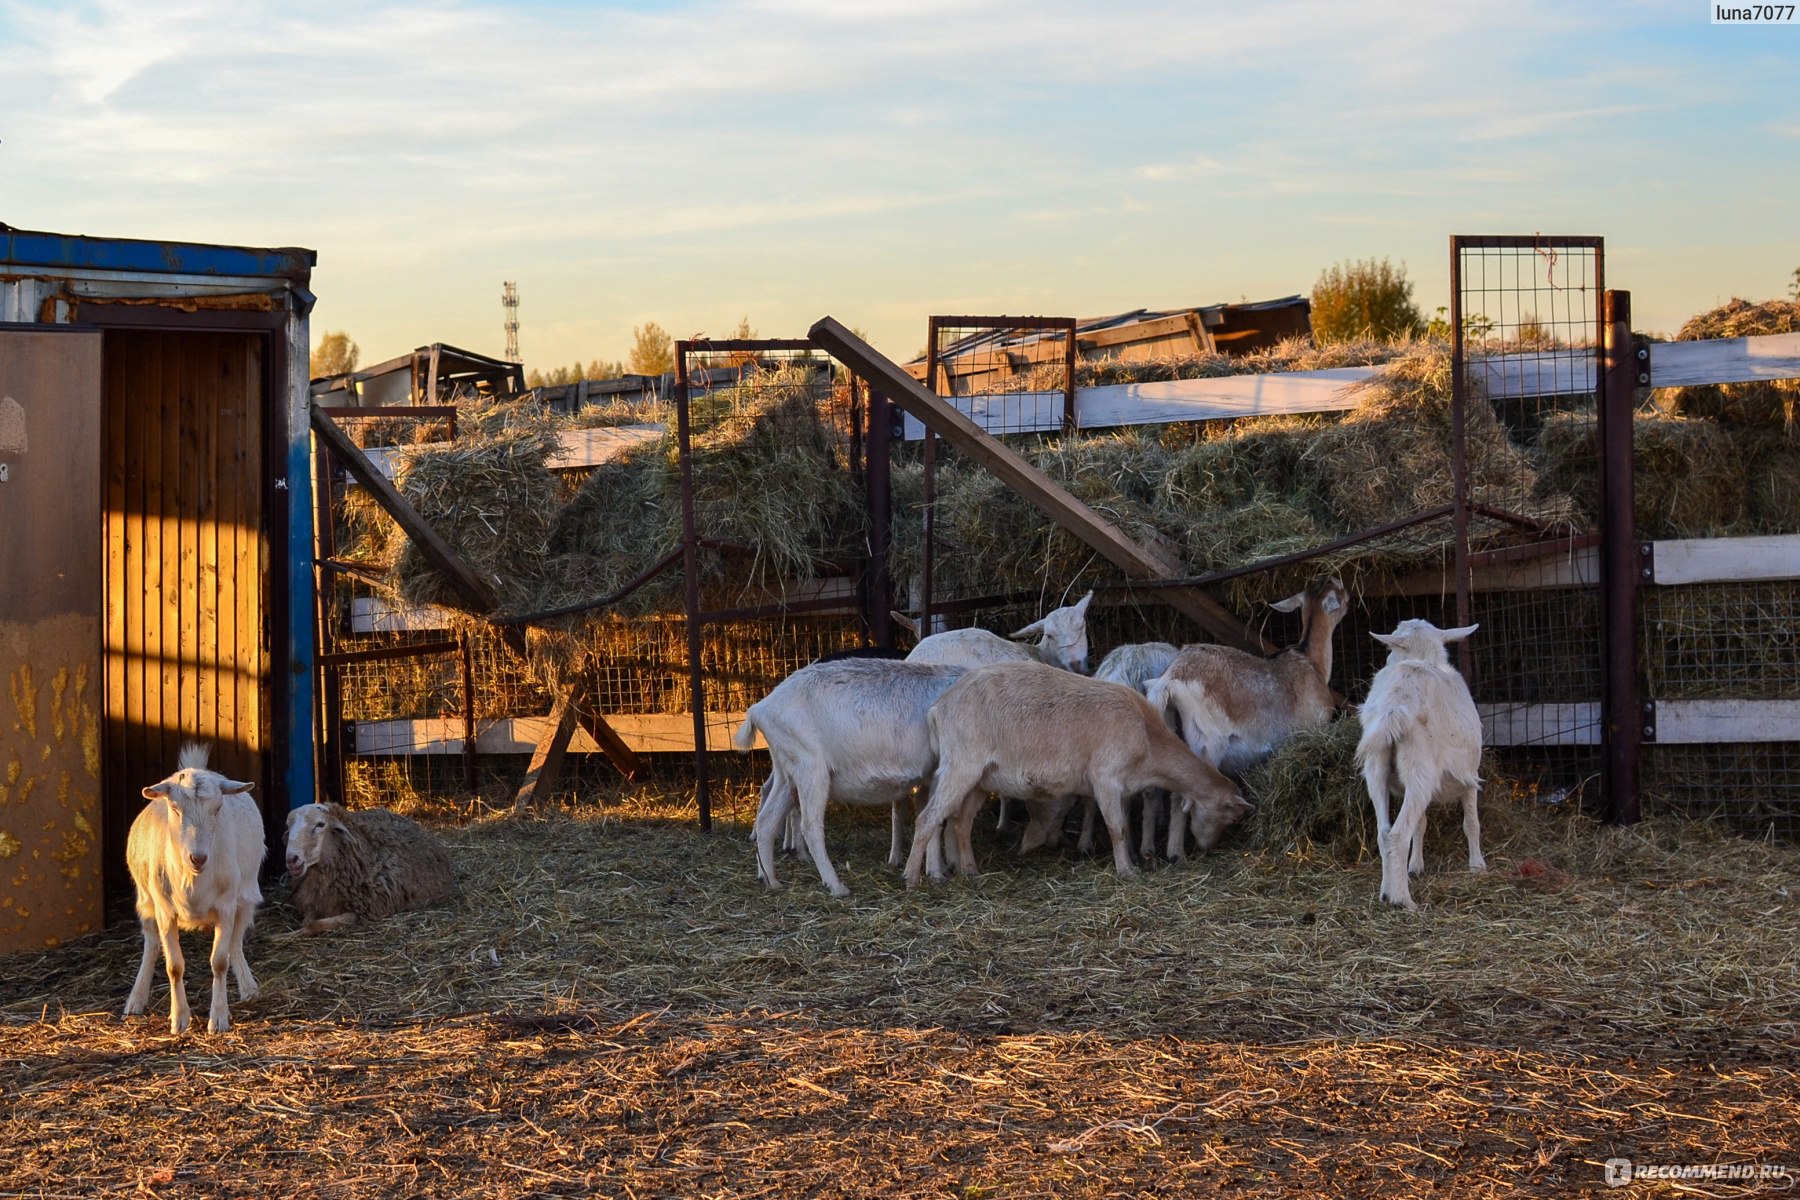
(1620, 715)
(690, 562)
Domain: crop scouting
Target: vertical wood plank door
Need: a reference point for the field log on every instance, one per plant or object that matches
(186, 649)
(50, 604)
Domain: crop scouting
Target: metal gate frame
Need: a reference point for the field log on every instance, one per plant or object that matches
(1614, 378)
(872, 419)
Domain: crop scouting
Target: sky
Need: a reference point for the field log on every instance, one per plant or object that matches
(696, 163)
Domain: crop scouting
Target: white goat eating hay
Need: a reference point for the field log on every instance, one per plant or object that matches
(1421, 742)
(194, 853)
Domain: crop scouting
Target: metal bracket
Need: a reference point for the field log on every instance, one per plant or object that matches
(349, 736)
(1646, 564)
(1640, 359)
(1647, 721)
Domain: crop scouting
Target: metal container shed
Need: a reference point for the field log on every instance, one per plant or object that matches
(155, 548)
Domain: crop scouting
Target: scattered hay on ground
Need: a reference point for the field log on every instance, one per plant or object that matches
(612, 1003)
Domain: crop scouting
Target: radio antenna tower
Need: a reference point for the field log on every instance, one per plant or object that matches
(509, 304)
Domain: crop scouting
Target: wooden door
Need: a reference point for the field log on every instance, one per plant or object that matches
(186, 647)
(50, 780)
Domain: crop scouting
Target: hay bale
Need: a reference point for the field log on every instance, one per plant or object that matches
(1771, 459)
(1310, 800)
(625, 515)
(767, 474)
(491, 495)
(1757, 405)
(1256, 489)
(1689, 478)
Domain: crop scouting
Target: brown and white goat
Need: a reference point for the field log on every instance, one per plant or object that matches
(1035, 733)
(1234, 707)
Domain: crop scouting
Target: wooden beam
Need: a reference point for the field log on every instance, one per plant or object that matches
(436, 550)
(642, 733)
(611, 744)
(1540, 724)
(547, 756)
(1727, 560)
(1725, 360)
(1689, 722)
(1032, 484)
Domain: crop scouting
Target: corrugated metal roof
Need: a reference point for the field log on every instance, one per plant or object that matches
(34, 250)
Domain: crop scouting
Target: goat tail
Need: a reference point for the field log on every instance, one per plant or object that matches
(1380, 733)
(745, 737)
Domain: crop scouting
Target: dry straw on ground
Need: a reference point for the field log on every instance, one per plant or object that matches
(612, 1004)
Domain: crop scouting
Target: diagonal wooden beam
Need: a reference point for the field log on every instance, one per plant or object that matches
(470, 586)
(1036, 487)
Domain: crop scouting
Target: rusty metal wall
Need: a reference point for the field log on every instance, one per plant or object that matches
(51, 886)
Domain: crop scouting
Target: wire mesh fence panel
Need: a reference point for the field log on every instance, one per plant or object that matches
(774, 441)
(394, 683)
(1726, 654)
(1527, 335)
(1008, 374)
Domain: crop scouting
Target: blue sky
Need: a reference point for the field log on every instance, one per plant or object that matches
(880, 161)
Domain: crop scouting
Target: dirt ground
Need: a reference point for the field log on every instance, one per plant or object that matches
(613, 1005)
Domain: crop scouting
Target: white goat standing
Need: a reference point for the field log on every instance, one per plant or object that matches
(1061, 633)
(194, 853)
(853, 731)
(1027, 731)
(1421, 742)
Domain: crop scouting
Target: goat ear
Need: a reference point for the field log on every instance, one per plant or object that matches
(156, 791)
(1457, 635)
(1386, 639)
(1036, 627)
(910, 624)
(1080, 606)
(1290, 604)
(231, 787)
(1333, 601)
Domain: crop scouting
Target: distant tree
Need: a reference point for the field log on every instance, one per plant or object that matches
(1794, 287)
(597, 368)
(335, 354)
(1364, 299)
(652, 350)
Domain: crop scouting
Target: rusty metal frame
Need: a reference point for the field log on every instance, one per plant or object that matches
(692, 540)
(1622, 725)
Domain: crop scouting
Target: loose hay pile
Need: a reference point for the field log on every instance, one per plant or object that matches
(613, 1005)
(1220, 496)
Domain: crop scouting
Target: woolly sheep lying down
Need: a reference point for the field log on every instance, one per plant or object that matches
(368, 863)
